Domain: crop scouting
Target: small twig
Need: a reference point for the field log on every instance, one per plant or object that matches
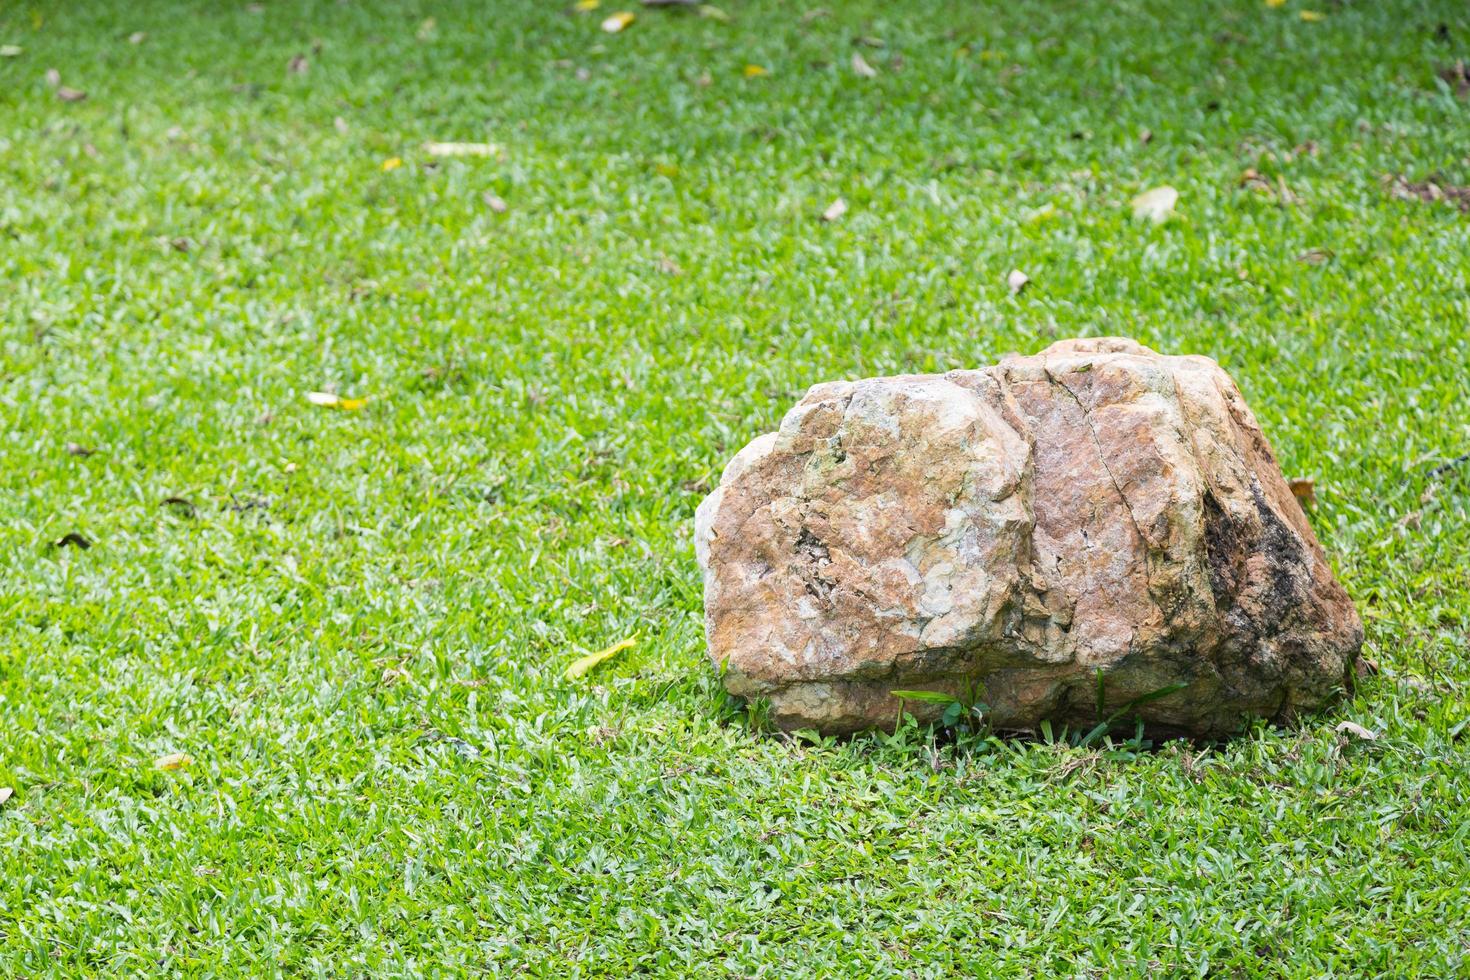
(1446, 467)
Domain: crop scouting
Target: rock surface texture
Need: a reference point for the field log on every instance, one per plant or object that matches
(1011, 534)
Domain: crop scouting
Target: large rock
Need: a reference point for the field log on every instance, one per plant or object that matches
(1012, 532)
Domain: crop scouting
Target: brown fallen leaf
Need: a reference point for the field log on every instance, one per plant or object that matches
(861, 67)
(835, 210)
(1304, 490)
(1457, 77)
(1432, 191)
(1017, 281)
(180, 244)
(816, 13)
(173, 761)
(1316, 256)
(705, 79)
(1145, 136)
(298, 65)
(66, 94)
(72, 539)
(77, 449)
(1366, 666)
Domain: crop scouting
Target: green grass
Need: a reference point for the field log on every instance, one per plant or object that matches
(357, 625)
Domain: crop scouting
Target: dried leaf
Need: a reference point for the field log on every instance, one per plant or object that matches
(618, 21)
(861, 67)
(298, 65)
(77, 449)
(11, 50)
(1316, 256)
(460, 149)
(5, 793)
(835, 210)
(755, 71)
(72, 539)
(579, 667)
(1312, 16)
(1018, 281)
(713, 13)
(66, 94)
(1275, 3)
(172, 761)
(137, 37)
(392, 163)
(1303, 490)
(1155, 205)
(1353, 728)
(53, 77)
(584, 6)
(494, 202)
(326, 399)
(666, 170)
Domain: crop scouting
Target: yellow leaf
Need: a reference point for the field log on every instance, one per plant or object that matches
(1275, 3)
(174, 760)
(666, 169)
(1312, 16)
(582, 6)
(713, 13)
(755, 71)
(579, 667)
(392, 163)
(617, 21)
(328, 400)
(1156, 205)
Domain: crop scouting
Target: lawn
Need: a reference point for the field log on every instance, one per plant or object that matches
(355, 620)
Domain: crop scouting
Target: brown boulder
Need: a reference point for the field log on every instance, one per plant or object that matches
(1013, 533)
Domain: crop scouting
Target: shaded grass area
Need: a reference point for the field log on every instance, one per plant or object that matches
(356, 622)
